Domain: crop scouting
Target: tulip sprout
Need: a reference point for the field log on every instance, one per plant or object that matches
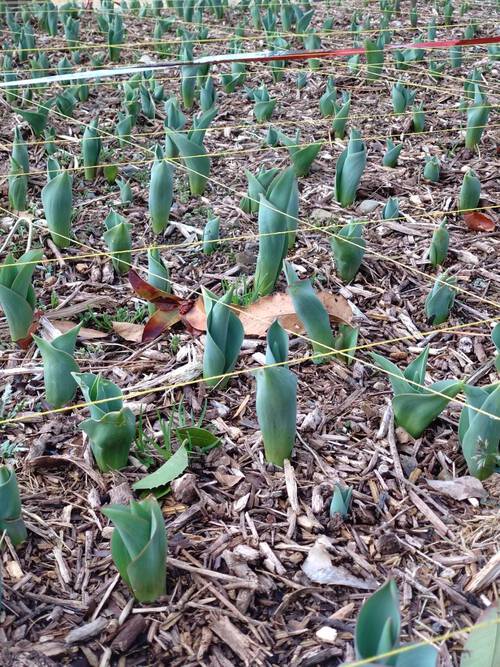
(374, 58)
(210, 235)
(223, 341)
(91, 150)
(378, 631)
(126, 194)
(275, 220)
(432, 169)
(58, 366)
(312, 313)
(18, 186)
(440, 299)
(418, 118)
(392, 153)
(57, 201)
(416, 407)
(160, 192)
(391, 209)
(119, 242)
(477, 118)
(328, 99)
(11, 520)
(264, 105)
(111, 427)
(302, 156)
(350, 167)
(402, 97)
(470, 192)
(348, 246)
(276, 401)
(341, 115)
(257, 185)
(341, 501)
(17, 296)
(139, 547)
(439, 245)
(195, 159)
(479, 432)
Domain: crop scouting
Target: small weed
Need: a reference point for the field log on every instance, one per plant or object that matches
(104, 321)
(100, 321)
(136, 316)
(18, 406)
(54, 299)
(148, 445)
(8, 450)
(175, 343)
(243, 294)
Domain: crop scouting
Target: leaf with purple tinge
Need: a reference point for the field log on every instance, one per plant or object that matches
(162, 300)
(159, 322)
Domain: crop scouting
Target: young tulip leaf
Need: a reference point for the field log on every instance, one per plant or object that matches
(160, 192)
(57, 200)
(479, 433)
(374, 58)
(276, 402)
(17, 296)
(211, 235)
(11, 520)
(169, 471)
(392, 153)
(415, 406)
(341, 501)
(379, 623)
(223, 341)
(196, 161)
(58, 366)
(350, 167)
(91, 150)
(119, 242)
(415, 412)
(312, 313)
(482, 648)
(439, 245)
(432, 169)
(391, 209)
(470, 192)
(111, 427)
(348, 248)
(477, 118)
(440, 299)
(139, 547)
(273, 244)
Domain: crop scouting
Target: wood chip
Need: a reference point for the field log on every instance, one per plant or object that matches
(85, 632)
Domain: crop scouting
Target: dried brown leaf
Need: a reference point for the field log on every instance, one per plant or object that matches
(461, 488)
(259, 316)
(84, 334)
(479, 222)
(129, 331)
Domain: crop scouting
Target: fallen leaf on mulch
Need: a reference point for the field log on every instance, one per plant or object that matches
(170, 308)
(461, 488)
(256, 318)
(479, 222)
(318, 568)
(259, 316)
(159, 322)
(84, 334)
(129, 331)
